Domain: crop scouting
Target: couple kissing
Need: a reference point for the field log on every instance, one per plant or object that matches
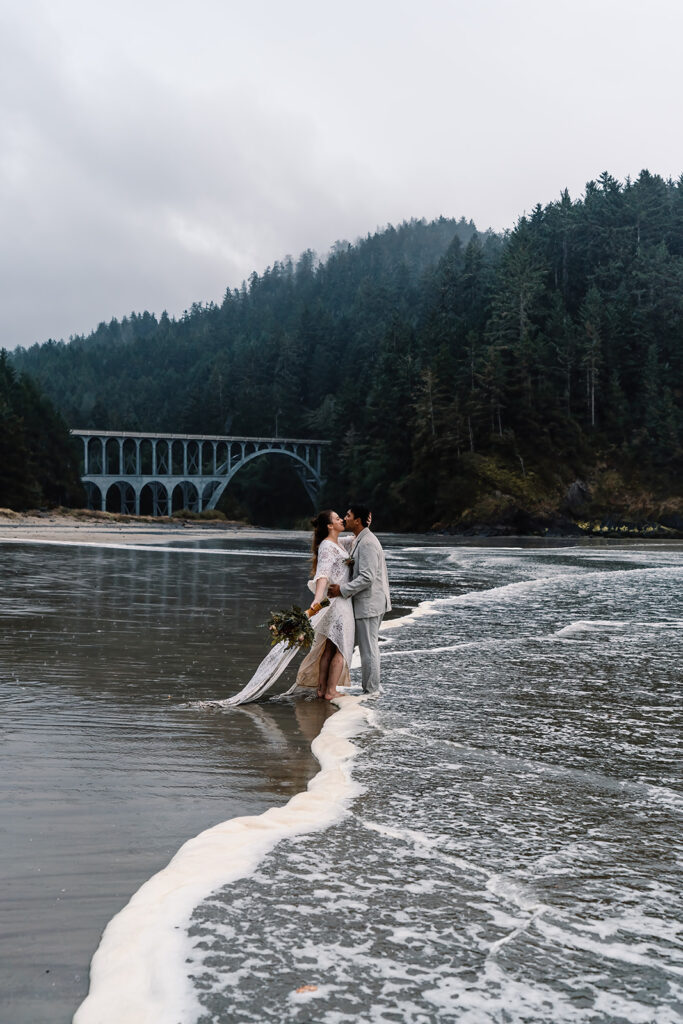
(351, 571)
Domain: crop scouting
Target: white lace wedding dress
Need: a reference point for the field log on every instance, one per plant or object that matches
(335, 622)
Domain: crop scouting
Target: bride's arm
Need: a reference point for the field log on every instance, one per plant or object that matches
(322, 574)
(320, 588)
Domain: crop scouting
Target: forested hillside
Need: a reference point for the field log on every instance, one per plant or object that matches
(38, 462)
(463, 377)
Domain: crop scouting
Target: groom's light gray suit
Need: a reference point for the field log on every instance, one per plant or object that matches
(369, 588)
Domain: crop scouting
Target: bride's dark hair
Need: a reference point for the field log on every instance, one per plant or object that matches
(319, 524)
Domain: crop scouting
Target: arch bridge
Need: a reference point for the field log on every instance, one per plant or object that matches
(157, 474)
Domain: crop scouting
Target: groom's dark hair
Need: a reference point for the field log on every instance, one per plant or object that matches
(361, 512)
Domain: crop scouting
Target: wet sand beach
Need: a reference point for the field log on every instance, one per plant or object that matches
(105, 768)
(509, 849)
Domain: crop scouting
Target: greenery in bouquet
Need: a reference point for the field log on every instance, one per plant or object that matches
(294, 626)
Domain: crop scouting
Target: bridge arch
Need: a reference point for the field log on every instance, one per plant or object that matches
(185, 495)
(93, 495)
(94, 449)
(154, 499)
(309, 478)
(120, 497)
(177, 456)
(129, 456)
(146, 457)
(208, 492)
(162, 456)
(112, 456)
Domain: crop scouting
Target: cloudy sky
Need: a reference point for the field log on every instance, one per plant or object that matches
(154, 152)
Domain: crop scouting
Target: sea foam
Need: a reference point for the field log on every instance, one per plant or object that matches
(137, 975)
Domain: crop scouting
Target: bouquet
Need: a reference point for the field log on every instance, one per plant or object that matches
(294, 626)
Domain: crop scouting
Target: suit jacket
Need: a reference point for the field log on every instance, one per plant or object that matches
(369, 583)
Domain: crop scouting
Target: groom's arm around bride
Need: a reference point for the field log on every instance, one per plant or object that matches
(369, 590)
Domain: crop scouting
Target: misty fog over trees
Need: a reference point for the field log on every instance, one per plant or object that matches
(461, 375)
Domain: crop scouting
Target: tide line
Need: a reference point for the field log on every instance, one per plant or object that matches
(137, 975)
(153, 547)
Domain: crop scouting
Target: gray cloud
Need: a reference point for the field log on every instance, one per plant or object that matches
(153, 154)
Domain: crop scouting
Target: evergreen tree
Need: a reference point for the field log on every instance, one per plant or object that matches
(443, 363)
(38, 463)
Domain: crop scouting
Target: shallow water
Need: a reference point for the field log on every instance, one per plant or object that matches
(104, 769)
(514, 854)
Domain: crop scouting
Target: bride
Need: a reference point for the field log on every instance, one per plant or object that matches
(326, 666)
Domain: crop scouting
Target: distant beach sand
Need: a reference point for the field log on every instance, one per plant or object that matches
(108, 528)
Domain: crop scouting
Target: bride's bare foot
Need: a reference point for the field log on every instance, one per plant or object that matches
(331, 694)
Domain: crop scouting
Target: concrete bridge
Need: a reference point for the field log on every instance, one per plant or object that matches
(157, 474)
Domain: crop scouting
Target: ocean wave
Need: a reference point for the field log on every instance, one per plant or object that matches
(513, 591)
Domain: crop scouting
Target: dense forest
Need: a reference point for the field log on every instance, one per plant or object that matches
(38, 460)
(463, 377)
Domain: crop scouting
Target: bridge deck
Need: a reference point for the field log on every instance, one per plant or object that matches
(132, 434)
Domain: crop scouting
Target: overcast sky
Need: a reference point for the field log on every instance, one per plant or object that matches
(155, 152)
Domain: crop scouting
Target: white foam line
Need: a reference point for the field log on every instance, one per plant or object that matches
(152, 547)
(439, 650)
(592, 626)
(515, 589)
(511, 936)
(423, 608)
(633, 953)
(137, 975)
(421, 840)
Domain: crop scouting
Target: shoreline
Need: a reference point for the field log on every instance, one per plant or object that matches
(105, 528)
(109, 528)
(130, 976)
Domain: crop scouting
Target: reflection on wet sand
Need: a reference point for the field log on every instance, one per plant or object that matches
(105, 769)
(140, 623)
(310, 716)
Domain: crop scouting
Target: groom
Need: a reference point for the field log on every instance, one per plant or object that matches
(369, 588)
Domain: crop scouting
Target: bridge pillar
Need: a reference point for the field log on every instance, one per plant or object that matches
(137, 459)
(215, 450)
(154, 457)
(184, 458)
(85, 455)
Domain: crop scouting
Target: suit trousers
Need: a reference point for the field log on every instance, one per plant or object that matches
(367, 638)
